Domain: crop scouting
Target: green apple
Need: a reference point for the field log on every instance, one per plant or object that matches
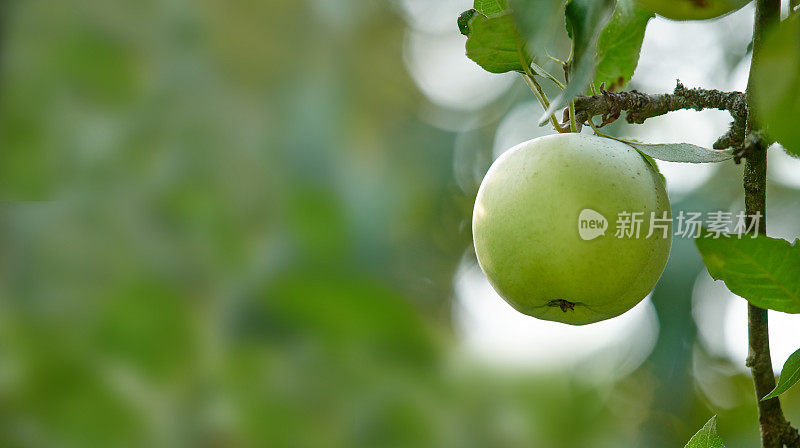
(692, 9)
(550, 232)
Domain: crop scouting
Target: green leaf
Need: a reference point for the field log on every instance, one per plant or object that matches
(490, 7)
(763, 270)
(586, 20)
(619, 45)
(707, 437)
(680, 152)
(776, 85)
(790, 374)
(495, 44)
(464, 19)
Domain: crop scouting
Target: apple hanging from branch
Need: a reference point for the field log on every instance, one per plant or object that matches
(540, 236)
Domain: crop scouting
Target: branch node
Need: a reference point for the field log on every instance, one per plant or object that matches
(790, 436)
(753, 144)
(641, 106)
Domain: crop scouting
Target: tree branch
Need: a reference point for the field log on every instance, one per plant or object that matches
(775, 430)
(744, 135)
(641, 106)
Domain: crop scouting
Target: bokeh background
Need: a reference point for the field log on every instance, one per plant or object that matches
(245, 223)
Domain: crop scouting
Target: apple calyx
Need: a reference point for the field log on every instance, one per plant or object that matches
(563, 304)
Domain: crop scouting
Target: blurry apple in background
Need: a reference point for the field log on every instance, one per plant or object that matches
(692, 9)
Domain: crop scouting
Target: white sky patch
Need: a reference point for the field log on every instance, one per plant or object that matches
(721, 318)
(518, 126)
(439, 66)
(689, 51)
(498, 335)
(433, 16)
(783, 168)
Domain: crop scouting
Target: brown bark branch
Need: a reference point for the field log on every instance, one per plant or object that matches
(641, 106)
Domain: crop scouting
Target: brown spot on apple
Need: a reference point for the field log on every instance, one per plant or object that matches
(563, 304)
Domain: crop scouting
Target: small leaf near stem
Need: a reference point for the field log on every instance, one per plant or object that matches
(537, 69)
(790, 374)
(707, 437)
(564, 66)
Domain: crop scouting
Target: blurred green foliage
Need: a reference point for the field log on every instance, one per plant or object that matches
(775, 86)
(224, 224)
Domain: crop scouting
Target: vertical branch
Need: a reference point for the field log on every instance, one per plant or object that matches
(772, 422)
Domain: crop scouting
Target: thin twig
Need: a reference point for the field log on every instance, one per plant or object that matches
(539, 93)
(538, 70)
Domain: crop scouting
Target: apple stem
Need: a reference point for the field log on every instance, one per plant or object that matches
(573, 127)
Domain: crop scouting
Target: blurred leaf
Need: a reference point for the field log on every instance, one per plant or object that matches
(585, 21)
(680, 152)
(130, 331)
(490, 7)
(538, 21)
(763, 270)
(495, 44)
(707, 437)
(790, 375)
(344, 312)
(776, 85)
(235, 261)
(619, 45)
